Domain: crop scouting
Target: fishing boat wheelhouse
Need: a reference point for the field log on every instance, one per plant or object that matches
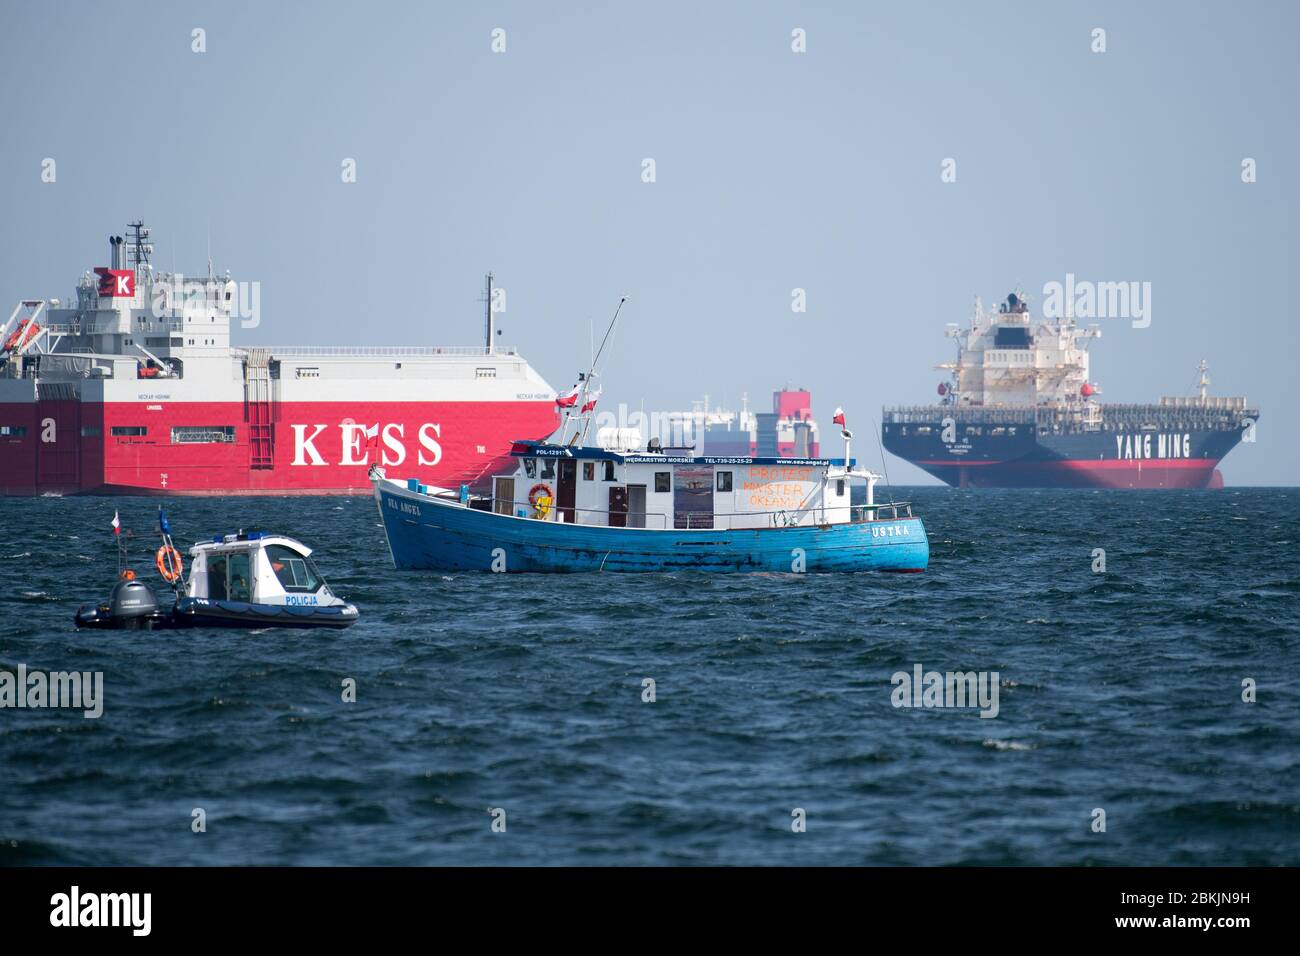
(671, 488)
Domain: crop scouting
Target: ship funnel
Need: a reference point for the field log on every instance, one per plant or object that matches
(115, 252)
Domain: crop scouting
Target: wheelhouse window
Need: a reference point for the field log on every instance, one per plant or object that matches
(609, 471)
(295, 572)
(530, 467)
(588, 471)
(839, 488)
(724, 481)
(548, 468)
(663, 481)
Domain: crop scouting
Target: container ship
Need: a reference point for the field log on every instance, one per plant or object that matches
(134, 388)
(1019, 410)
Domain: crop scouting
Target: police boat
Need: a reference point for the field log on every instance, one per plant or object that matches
(258, 580)
(243, 580)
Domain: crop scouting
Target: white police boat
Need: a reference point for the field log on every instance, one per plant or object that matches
(243, 580)
(258, 580)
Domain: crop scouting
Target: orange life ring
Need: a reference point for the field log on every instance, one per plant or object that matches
(169, 563)
(541, 498)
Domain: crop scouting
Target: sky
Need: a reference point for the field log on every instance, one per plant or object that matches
(774, 170)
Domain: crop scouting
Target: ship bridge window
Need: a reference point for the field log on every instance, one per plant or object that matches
(663, 481)
(295, 571)
(609, 471)
(530, 467)
(588, 471)
(1012, 337)
(724, 481)
(548, 468)
(203, 434)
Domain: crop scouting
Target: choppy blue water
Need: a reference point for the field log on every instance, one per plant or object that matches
(1120, 691)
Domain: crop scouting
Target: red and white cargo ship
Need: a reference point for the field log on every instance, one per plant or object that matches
(136, 389)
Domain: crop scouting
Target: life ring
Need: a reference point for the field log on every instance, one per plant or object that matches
(169, 563)
(541, 498)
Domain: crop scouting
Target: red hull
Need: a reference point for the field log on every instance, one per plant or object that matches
(1135, 474)
(69, 447)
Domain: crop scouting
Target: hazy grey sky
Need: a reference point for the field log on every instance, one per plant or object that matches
(775, 170)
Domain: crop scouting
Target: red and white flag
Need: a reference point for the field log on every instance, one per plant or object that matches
(590, 403)
(569, 398)
(839, 418)
(117, 525)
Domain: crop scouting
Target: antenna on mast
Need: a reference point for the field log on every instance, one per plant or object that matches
(140, 247)
(489, 323)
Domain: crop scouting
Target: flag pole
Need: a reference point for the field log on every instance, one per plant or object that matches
(121, 544)
(591, 373)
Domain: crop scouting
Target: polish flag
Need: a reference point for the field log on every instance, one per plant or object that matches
(591, 401)
(117, 525)
(839, 418)
(569, 398)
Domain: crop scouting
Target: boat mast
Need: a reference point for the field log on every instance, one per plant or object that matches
(488, 321)
(591, 372)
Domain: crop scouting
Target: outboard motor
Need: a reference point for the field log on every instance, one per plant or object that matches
(133, 606)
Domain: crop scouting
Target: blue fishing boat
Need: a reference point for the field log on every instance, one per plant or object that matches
(566, 508)
(622, 506)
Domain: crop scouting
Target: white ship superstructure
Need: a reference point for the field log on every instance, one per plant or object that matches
(135, 387)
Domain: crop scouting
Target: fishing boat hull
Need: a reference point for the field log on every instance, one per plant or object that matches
(428, 533)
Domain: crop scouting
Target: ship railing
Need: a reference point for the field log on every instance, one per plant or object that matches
(1065, 419)
(889, 511)
(557, 512)
(705, 520)
(791, 517)
(395, 351)
(976, 414)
